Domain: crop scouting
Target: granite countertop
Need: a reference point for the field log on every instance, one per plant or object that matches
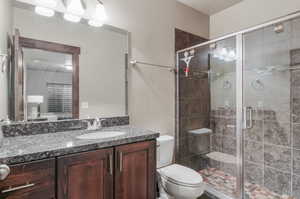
(36, 147)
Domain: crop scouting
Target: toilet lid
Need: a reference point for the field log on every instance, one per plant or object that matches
(181, 175)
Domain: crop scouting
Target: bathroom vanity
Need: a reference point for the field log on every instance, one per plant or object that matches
(56, 72)
(66, 167)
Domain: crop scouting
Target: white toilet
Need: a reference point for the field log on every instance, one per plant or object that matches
(175, 181)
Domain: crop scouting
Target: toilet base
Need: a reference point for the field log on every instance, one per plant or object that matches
(164, 195)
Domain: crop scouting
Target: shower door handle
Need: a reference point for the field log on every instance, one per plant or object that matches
(247, 117)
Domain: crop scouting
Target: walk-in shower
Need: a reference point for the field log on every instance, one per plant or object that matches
(238, 111)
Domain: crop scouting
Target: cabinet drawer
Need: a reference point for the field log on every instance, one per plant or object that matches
(35, 180)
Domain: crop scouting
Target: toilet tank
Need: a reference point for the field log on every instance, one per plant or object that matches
(165, 150)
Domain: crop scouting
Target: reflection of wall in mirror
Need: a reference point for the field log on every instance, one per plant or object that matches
(37, 83)
(102, 59)
(5, 29)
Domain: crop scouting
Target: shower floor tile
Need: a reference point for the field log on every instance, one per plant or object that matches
(225, 183)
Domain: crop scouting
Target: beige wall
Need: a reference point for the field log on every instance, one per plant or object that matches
(5, 27)
(190, 20)
(151, 91)
(249, 13)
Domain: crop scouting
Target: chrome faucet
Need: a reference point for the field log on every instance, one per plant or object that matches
(94, 125)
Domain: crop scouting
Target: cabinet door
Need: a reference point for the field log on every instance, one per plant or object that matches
(135, 171)
(34, 180)
(86, 175)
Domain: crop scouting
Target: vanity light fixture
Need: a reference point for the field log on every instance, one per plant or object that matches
(74, 9)
(45, 7)
(99, 16)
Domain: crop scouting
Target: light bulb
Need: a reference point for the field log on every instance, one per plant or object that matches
(75, 7)
(47, 12)
(72, 18)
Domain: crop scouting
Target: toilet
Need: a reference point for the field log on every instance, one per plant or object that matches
(175, 181)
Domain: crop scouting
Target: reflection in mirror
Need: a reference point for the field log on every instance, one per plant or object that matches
(60, 70)
(48, 80)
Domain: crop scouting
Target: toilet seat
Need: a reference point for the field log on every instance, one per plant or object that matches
(181, 176)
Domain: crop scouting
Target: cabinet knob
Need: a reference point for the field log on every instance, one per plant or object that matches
(4, 171)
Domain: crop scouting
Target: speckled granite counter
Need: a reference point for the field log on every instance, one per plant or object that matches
(36, 147)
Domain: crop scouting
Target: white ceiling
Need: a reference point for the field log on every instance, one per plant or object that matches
(209, 7)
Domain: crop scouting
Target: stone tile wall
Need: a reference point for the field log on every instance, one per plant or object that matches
(194, 111)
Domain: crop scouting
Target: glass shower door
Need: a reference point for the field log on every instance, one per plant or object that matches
(221, 173)
(207, 138)
(271, 90)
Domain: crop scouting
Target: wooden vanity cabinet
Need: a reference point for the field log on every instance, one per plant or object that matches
(35, 180)
(135, 171)
(86, 175)
(122, 172)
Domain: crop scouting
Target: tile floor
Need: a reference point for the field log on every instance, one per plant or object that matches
(225, 183)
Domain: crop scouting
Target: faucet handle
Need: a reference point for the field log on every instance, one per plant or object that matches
(99, 122)
(89, 125)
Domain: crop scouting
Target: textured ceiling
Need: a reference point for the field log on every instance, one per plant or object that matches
(209, 7)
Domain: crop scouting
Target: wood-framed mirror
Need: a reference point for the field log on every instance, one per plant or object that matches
(45, 80)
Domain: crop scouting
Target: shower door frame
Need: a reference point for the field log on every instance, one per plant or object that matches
(239, 91)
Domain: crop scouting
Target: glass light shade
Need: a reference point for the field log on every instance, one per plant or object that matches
(47, 12)
(100, 14)
(75, 7)
(46, 3)
(72, 18)
(95, 23)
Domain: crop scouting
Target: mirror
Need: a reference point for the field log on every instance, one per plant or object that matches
(58, 70)
(48, 82)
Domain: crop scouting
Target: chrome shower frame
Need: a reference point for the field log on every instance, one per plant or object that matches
(239, 94)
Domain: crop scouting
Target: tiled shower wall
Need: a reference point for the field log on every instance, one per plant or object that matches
(194, 110)
(223, 138)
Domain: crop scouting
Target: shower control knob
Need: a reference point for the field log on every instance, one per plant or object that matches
(4, 171)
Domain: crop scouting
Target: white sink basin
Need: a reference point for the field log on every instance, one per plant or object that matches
(101, 135)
